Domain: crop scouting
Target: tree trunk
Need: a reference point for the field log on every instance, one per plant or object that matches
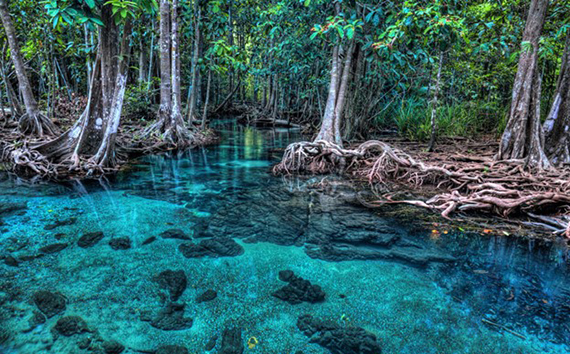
(557, 124)
(165, 61)
(341, 97)
(93, 135)
(170, 125)
(434, 103)
(205, 114)
(195, 57)
(175, 56)
(33, 122)
(328, 126)
(521, 140)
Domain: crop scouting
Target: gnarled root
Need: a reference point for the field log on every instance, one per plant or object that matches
(36, 124)
(503, 188)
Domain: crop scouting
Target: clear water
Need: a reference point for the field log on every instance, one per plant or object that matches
(428, 293)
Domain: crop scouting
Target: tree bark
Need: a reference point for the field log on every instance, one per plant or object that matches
(341, 98)
(434, 103)
(92, 137)
(327, 131)
(207, 99)
(557, 124)
(521, 139)
(165, 61)
(195, 57)
(33, 122)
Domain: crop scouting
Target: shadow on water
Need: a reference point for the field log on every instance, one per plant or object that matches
(417, 292)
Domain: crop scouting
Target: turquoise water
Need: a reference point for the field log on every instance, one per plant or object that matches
(414, 291)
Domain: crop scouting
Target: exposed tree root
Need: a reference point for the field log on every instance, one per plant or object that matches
(505, 188)
(36, 124)
(59, 160)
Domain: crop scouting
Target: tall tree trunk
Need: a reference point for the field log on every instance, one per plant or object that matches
(175, 56)
(557, 124)
(33, 122)
(195, 57)
(207, 99)
(327, 131)
(165, 61)
(92, 137)
(170, 125)
(521, 140)
(341, 97)
(434, 103)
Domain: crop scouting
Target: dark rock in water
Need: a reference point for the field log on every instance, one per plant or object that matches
(337, 339)
(120, 243)
(70, 325)
(149, 240)
(214, 247)
(211, 343)
(414, 255)
(53, 248)
(173, 281)
(84, 343)
(4, 336)
(49, 303)
(90, 239)
(59, 223)
(27, 258)
(176, 234)
(286, 275)
(298, 290)
(232, 342)
(171, 318)
(9, 208)
(172, 349)
(37, 319)
(11, 261)
(208, 295)
(112, 347)
(59, 236)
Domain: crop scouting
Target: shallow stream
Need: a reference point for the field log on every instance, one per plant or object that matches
(187, 250)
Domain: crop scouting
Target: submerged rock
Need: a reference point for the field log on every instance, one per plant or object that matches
(49, 303)
(171, 318)
(112, 347)
(214, 247)
(11, 261)
(175, 234)
(337, 339)
(298, 290)
(208, 295)
(149, 240)
(90, 239)
(175, 282)
(211, 343)
(70, 325)
(37, 319)
(53, 248)
(172, 349)
(9, 208)
(120, 243)
(4, 335)
(59, 223)
(232, 342)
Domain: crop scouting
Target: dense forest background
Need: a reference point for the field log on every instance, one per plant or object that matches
(422, 69)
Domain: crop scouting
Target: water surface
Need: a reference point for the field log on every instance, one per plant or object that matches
(416, 291)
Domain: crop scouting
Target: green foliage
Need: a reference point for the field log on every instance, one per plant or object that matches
(412, 117)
